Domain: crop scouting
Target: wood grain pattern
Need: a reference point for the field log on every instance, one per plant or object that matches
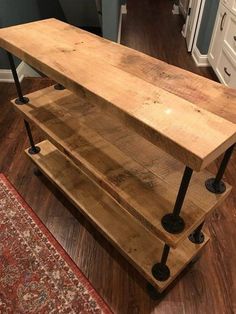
(138, 245)
(193, 135)
(197, 89)
(89, 137)
(209, 286)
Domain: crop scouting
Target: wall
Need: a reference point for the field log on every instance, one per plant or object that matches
(77, 12)
(207, 25)
(11, 13)
(81, 12)
(110, 18)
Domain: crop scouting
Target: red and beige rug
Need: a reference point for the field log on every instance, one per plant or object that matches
(36, 274)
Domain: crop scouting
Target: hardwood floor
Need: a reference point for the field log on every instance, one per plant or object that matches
(210, 285)
(151, 27)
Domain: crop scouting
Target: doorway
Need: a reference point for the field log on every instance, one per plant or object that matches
(193, 19)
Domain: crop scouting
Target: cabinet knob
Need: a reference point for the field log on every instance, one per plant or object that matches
(234, 38)
(226, 72)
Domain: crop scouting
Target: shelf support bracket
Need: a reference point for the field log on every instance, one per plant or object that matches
(160, 270)
(173, 222)
(21, 99)
(197, 236)
(216, 185)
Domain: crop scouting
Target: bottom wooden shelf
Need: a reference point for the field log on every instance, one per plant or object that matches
(141, 247)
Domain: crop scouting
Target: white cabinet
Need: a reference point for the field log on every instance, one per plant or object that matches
(222, 51)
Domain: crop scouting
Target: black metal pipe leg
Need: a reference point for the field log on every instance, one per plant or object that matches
(216, 185)
(33, 149)
(153, 293)
(160, 270)
(197, 236)
(37, 172)
(173, 222)
(21, 99)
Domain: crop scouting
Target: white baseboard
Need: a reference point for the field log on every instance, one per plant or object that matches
(199, 59)
(123, 10)
(184, 30)
(23, 70)
(175, 9)
(183, 10)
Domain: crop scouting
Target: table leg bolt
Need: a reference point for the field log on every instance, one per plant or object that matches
(197, 237)
(34, 150)
(23, 101)
(161, 271)
(217, 188)
(173, 224)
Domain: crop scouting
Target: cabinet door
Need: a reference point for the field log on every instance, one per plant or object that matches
(230, 36)
(226, 69)
(218, 35)
(194, 7)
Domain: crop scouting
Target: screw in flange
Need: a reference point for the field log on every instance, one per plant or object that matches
(161, 271)
(197, 237)
(173, 224)
(215, 187)
(34, 150)
(23, 101)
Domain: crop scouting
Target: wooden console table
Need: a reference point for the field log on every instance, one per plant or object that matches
(126, 134)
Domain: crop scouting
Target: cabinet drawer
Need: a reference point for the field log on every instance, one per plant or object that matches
(230, 35)
(226, 70)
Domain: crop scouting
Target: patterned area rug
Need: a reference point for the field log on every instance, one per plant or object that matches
(36, 274)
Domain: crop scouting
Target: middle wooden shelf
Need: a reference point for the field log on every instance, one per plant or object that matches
(140, 176)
